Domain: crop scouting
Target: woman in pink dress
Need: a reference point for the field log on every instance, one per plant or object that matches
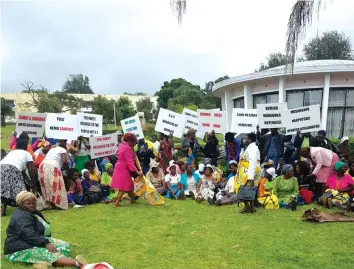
(323, 161)
(124, 168)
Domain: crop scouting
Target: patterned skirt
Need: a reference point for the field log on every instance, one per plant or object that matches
(52, 185)
(36, 254)
(12, 183)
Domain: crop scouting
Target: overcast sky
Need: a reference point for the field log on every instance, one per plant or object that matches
(136, 45)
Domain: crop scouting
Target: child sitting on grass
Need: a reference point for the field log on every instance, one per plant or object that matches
(75, 192)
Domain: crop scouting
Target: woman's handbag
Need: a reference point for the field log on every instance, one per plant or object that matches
(246, 193)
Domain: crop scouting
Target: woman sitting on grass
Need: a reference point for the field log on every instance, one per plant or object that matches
(106, 180)
(189, 182)
(94, 173)
(90, 187)
(156, 177)
(172, 181)
(266, 197)
(206, 186)
(75, 192)
(306, 185)
(338, 187)
(286, 188)
(232, 169)
(29, 238)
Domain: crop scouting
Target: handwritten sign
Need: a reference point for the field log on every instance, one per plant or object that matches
(191, 122)
(61, 126)
(307, 119)
(132, 125)
(31, 123)
(272, 115)
(244, 120)
(102, 146)
(170, 123)
(89, 124)
(209, 120)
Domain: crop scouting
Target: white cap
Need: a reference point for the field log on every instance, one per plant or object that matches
(271, 171)
(344, 138)
(232, 162)
(201, 167)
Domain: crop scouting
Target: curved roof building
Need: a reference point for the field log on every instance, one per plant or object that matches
(329, 83)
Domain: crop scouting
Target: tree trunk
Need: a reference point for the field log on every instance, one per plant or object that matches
(3, 122)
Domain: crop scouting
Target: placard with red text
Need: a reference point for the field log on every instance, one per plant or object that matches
(30, 123)
(209, 120)
(61, 126)
(102, 146)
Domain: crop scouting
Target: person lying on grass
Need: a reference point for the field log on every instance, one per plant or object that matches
(29, 238)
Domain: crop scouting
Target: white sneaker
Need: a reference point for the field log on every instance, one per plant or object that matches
(78, 206)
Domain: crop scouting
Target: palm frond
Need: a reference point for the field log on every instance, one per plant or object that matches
(179, 8)
(300, 18)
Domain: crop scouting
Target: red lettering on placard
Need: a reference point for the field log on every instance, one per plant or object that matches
(69, 129)
(204, 114)
(206, 124)
(219, 115)
(38, 118)
(23, 117)
(216, 126)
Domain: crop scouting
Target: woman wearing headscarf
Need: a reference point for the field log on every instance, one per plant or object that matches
(207, 185)
(266, 197)
(338, 185)
(306, 184)
(51, 176)
(29, 238)
(323, 161)
(344, 149)
(286, 188)
(190, 148)
(40, 153)
(172, 181)
(125, 169)
(156, 177)
(106, 180)
(13, 166)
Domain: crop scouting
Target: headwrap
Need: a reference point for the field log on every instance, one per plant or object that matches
(207, 161)
(83, 171)
(209, 166)
(44, 144)
(23, 196)
(338, 165)
(322, 132)
(287, 168)
(107, 166)
(172, 164)
(153, 164)
(232, 162)
(345, 138)
(271, 171)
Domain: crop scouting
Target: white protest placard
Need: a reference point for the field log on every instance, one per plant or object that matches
(90, 124)
(132, 125)
(102, 146)
(307, 119)
(272, 115)
(61, 126)
(169, 122)
(30, 123)
(244, 120)
(191, 122)
(209, 120)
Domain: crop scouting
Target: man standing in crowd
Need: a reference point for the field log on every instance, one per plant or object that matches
(324, 142)
(272, 146)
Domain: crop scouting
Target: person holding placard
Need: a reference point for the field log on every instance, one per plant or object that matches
(125, 169)
(51, 176)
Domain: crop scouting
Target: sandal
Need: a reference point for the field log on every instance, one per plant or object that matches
(81, 260)
(42, 265)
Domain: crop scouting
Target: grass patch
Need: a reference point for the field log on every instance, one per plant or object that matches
(184, 234)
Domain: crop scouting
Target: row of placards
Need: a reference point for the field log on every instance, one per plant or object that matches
(305, 119)
(59, 126)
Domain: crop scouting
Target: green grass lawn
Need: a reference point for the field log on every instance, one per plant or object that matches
(184, 234)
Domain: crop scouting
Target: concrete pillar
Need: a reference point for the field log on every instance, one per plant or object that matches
(247, 96)
(229, 105)
(325, 97)
(282, 93)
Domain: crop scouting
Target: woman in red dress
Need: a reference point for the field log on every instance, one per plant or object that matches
(124, 168)
(166, 146)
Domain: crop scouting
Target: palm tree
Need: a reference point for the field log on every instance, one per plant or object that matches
(6, 110)
(300, 18)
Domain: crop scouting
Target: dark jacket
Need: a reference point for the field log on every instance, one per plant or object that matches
(24, 232)
(265, 143)
(298, 143)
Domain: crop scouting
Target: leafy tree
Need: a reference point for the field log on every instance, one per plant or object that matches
(208, 91)
(105, 107)
(179, 108)
(274, 60)
(125, 108)
(6, 110)
(145, 105)
(56, 102)
(77, 84)
(331, 45)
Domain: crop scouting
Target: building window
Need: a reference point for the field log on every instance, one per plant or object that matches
(300, 98)
(239, 102)
(266, 98)
(340, 118)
